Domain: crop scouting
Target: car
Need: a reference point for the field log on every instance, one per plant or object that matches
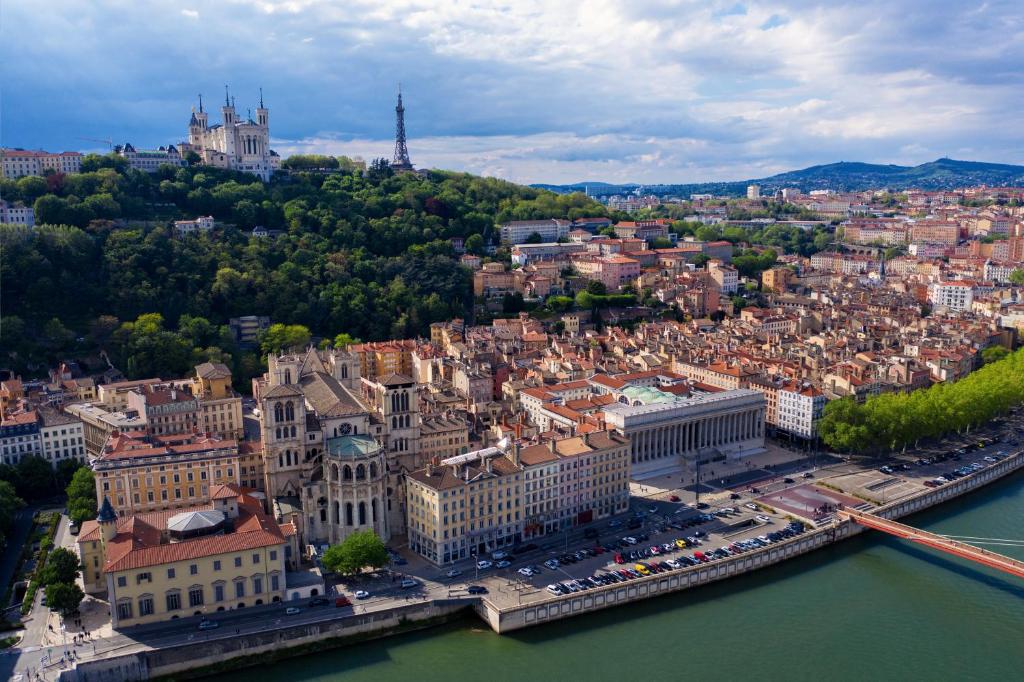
(680, 543)
(318, 601)
(808, 474)
(504, 563)
(476, 589)
(655, 549)
(674, 563)
(551, 564)
(668, 547)
(885, 469)
(362, 594)
(763, 519)
(499, 555)
(734, 496)
(292, 611)
(525, 571)
(483, 564)
(700, 556)
(454, 573)
(342, 600)
(554, 589)
(930, 484)
(751, 506)
(618, 558)
(702, 505)
(408, 583)
(674, 498)
(629, 540)
(641, 569)
(208, 624)
(788, 480)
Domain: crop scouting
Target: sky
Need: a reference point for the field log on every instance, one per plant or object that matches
(649, 91)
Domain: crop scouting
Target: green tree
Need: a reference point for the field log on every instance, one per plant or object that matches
(10, 503)
(36, 478)
(474, 244)
(994, 354)
(359, 550)
(1017, 277)
(81, 492)
(64, 598)
(279, 337)
(344, 340)
(62, 566)
(596, 287)
(534, 238)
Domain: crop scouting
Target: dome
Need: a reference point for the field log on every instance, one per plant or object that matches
(195, 522)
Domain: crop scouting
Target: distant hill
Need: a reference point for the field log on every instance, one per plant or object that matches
(842, 176)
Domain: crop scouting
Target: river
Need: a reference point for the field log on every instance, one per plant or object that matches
(870, 608)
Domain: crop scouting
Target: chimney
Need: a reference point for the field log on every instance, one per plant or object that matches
(551, 445)
(515, 452)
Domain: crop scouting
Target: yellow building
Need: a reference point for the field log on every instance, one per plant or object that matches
(223, 555)
(384, 358)
(465, 506)
(443, 436)
(220, 405)
(141, 472)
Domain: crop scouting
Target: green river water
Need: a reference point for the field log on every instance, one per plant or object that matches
(870, 608)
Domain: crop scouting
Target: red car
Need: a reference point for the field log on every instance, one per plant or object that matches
(699, 556)
(618, 558)
(655, 550)
(674, 498)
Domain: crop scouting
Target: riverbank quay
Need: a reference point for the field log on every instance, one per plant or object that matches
(224, 650)
(508, 619)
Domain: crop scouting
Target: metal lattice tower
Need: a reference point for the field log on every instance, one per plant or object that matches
(401, 159)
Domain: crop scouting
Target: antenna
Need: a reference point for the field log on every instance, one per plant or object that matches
(200, 102)
(227, 100)
(261, 98)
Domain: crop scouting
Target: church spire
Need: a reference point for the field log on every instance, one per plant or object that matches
(227, 99)
(261, 98)
(200, 102)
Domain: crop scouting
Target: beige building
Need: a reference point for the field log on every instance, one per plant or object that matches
(17, 163)
(223, 555)
(464, 506)
(443, 436)
(99, 422)
(140, 472)
(167, 409)
(219, 404)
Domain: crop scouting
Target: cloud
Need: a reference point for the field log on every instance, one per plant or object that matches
(644, 90)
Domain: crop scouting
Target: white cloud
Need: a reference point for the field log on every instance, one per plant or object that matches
(190, 13)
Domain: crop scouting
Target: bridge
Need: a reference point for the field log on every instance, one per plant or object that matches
(939, 542)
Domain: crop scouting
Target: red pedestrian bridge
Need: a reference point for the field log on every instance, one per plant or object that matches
(939, 542)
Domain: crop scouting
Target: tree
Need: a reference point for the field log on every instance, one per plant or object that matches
(81, 493)
(994, 354)
(700, 260)
(534, 238)
(356, 552)
(596, 287)
(344, 339)
(10, 503)
(1017, 277)
(36, 477)
(64, 597)
(474, 244)
(279, 337)
(62, 566)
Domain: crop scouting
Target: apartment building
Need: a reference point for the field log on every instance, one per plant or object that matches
(141, 472)
(519, 231)
(800, 408)
(220, 405)
(17, 163)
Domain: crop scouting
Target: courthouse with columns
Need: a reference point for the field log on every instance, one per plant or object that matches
(667, 434)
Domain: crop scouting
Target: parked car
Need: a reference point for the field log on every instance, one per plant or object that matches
(208, 624)
(483, 564)
(476, 589)
(362, 594)
(763, 519)
(498, 555)
(453, 573)
(342, 600)
(318, 601)
(552, 564)
(751, 506)
(292, 611)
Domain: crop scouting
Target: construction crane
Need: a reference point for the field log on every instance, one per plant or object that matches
(109, 143)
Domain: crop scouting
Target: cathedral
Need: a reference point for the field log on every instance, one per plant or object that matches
(336, 446)
(236, 143)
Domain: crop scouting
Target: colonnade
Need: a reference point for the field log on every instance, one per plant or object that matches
(668, 440)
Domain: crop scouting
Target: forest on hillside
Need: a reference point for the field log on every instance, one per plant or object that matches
(362, 253)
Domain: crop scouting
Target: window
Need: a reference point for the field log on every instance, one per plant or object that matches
(170, 574)
(257, 585)
(273, 555)
(238, 562)
(193, 569)
(195, 595)
(275, 583)
(239, 589)
(122, 581)
(143, 577)
(255, 558)
(216, 565)
(145, 605)
(173, 601)
(124, 609)
(218, 592)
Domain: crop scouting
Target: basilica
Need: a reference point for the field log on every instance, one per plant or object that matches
(236, 143)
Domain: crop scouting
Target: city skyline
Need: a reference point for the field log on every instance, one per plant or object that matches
(675, 92)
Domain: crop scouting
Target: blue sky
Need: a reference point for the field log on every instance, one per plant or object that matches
(532, 91)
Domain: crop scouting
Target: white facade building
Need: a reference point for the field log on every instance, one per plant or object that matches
(954, 295)
(149, 160)
(62, 437)
(550, 230)
(800, 409)
(17, 163)
(17, 214)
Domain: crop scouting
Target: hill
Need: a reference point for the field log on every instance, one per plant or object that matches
(843, 176)
(368, 254)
